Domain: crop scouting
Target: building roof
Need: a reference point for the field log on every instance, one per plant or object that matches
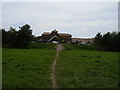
(64, 34)
(83, 40)
(54, 30)
(46, 33)
(61, 34)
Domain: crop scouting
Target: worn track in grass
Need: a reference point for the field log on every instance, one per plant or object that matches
(53, 73)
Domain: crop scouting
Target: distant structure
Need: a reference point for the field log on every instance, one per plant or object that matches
(54, 36)
(83, 40)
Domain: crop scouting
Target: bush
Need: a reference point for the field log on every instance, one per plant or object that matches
(41, 45)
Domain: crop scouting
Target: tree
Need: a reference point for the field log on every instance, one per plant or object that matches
(12, 35)
(8, 37)
(3, 36)
(24, 36)
(109, 41)
(97, 40)
(17, 39)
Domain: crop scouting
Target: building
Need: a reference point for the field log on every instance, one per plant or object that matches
(55, 36)
(83, 40)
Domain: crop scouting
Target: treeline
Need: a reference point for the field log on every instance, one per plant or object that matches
(17, 38)
(22, 39)
(108, 41)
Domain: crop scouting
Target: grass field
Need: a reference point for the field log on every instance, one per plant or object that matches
(82, 68)
(78, 66)
(27, 68)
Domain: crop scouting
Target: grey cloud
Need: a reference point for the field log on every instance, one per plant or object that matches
(79, 19)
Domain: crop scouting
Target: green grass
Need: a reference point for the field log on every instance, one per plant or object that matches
(79, 66)
(27, 68)
(79, 47)
(87, 69)
(41, 45)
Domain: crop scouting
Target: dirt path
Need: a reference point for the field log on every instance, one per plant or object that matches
(53, 74)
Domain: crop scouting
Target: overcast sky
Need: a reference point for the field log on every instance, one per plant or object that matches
(79, 19)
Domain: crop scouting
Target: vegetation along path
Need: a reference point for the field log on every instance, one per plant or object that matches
(53, 74)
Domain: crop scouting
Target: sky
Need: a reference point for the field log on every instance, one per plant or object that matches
(81, 19)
